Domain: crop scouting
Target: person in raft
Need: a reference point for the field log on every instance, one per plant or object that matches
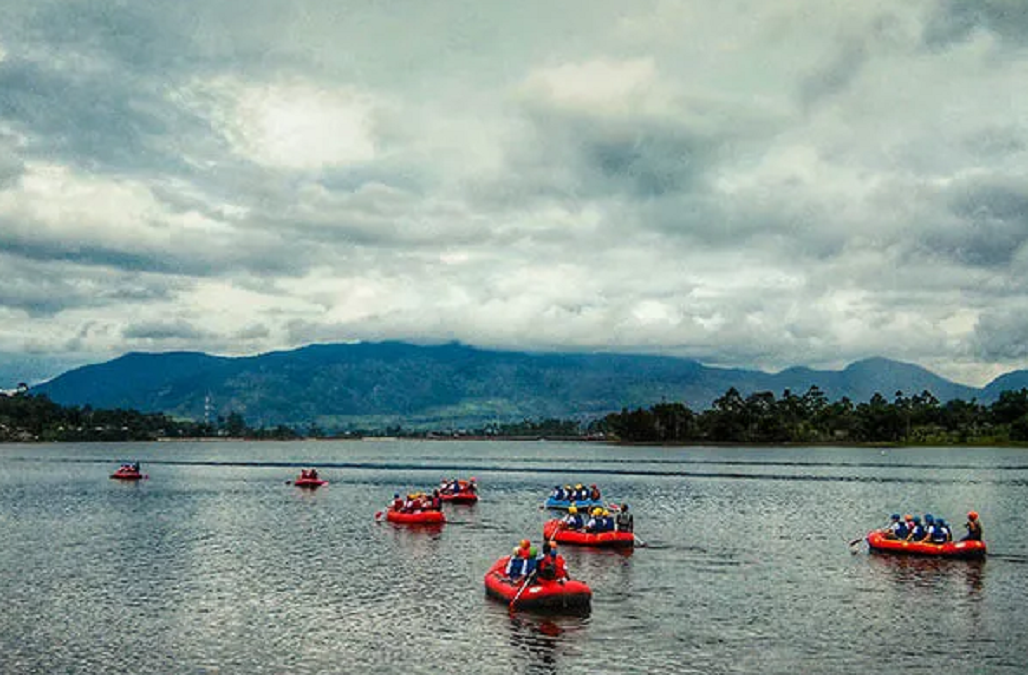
(473, 485)
(930, 530)
(436, 503)
(974, 527)
(594, 493)
(915, 531)
(551, 565)
(515, 569)
(397, 504)
(572, 521)
(601, 521)
(624, 521)
(522, 560)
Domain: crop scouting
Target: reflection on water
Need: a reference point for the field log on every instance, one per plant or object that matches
(544, 642)
(215, 564)
(910, 573)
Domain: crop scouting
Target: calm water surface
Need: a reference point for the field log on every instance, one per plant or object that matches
(216, 565)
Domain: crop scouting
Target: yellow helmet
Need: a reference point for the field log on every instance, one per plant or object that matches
(605, 512)
(572, 510)
(578, 486)
(597, 511)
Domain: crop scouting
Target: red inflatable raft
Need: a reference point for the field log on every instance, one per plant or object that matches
(549, 596)
(309, 482)
(462, 497)
(553, 529)
(416, 518)
(465, 495)
(877, 543)
(128, 474)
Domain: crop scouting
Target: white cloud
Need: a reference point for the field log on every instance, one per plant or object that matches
(289, 125)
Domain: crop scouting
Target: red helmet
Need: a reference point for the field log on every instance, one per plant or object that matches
(973, 515)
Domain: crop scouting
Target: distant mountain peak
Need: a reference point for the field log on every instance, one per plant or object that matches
(368, 384)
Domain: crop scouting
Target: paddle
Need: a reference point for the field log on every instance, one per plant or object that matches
(856, 541)
(528, 580)
(639, 541)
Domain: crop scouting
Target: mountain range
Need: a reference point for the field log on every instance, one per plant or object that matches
(376, 385)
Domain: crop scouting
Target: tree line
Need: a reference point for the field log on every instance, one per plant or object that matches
(27, 417)
(812, 418)
(760, 417)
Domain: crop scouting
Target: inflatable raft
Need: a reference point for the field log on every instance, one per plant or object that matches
(128, 474)
(567, 596)
(416, 518)
(878, 543)
(563, 504)
(553, 529)
(462, 497)
(465, 495)
(308, 482)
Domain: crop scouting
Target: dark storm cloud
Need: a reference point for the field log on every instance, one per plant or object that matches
(1002, 335)
(991, 222)
(835, 75)
(165, 330)
(46, 289)
(955, 20)
(95, 121)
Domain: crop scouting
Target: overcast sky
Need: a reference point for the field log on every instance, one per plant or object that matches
(749, 183)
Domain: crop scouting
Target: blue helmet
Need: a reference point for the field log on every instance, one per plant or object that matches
(917, 519)
(396, 495)
(940, 521)
(895, 516)
(929, 518)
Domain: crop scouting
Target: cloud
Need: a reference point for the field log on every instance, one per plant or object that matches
(290, 125)
(756, 184)
(164, 330)
(953, 20)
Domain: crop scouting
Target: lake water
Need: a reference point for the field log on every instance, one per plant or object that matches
(216, 565)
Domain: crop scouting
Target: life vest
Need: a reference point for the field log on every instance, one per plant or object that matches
(547, 570)
(595, 494)
(936, 535)
(561, 567)
(624, 522)
(516, 567)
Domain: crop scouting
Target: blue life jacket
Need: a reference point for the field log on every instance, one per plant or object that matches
(515, 567)
(576, 521)
(902, 531)
(918, 531)
(938, 535)
(530, 564)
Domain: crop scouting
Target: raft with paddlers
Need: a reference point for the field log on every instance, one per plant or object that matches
(416, 517)
(563, 504)
(557, 531)
(558, 596)
(465, 492)
(309, 479)
(128, 472)
(309, 482)
(877, 542)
